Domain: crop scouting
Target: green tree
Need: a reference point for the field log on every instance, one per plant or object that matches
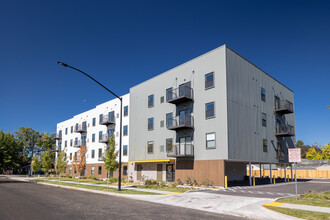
(304, 148)
(10, 149)
(109, 158)
(61, 163)
(46, 141)
(46, 161)
(35, 164)
(29, 138)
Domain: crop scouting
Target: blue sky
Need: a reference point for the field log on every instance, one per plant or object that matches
(123, 43)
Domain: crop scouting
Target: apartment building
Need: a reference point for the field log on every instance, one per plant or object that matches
(93, 129)
(207, 119)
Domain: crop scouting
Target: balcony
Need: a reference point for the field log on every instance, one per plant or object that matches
(79, 143)
(58, 136)
(284, 130)
(182, 150)
(106, 120)
(80, 128)
(100, 157)
(283, 107)
(104, 138)
(180, 122)
(179, 95)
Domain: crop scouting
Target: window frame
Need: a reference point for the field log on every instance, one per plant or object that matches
(148, 145)
(92, 170)
(150, 125)
(207, 141)
(263, 94)
(212, 86)
(93, 122)
(264, 119)
(125, 110)
(166, 144)
(99, 170)
(213, 116)
(150, 105)
(125, 133)
(93, 138)
(125, 150)
(93, 154)
(264, 145)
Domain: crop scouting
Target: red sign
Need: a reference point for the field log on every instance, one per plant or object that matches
(294, 155)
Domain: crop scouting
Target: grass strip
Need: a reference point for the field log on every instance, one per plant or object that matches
(301, 213)
(306, 201)
(100, 188)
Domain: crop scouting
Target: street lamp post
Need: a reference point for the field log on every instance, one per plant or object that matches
(121, 109)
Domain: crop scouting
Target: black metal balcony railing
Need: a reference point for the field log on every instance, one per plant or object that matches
(180, 122)
(58, 136)
(182, 150)
(104, 138)
(80, 128)
(106, 120)
(101, 157)
(179, 95)
(283, 107)
(284, 130)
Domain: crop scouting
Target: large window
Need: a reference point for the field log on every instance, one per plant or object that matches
(93, 154)
(264, 145)
(100, 135)
(93, 137)
(94, 121)
(210, 140)
(209, 110)
(92, 170)
(66, 131)
(71, 142)
(150, 101)
(100, 152)
(70, 170)
(65, 144)
(264, 119)
(124, 170)
(169, 120)
(100, 170)
(169, 94)
(100, 118)
(70, 156)
(150, 147)
(150, 124)
(263, 94)
(169, 145)
(125, 150)
(126, 110)
(71, 129)
(125, 130)
(209, 80)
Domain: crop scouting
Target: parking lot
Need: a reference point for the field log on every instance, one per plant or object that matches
(278, 190)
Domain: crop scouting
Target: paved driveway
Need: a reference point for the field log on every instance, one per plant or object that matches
(276, 190)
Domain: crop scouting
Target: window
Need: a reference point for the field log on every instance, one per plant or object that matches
(100, 135)
(93, 154)
(84, 127)
(264, 145)
(71, 129)
(124, 170)
(209, 80)
(150, 101)
(150, 147)
(169, 94)
(264, 119)
(125, 150)
(126, 110)
(93, 137)
(60, 133)
(65, 144)
(111, 132)
(94, 122)
(83, 140)
(162, 99)
(111, 116)
(70, 170)
(75, 155)
(92, 170)
(263, 94)
(75, 171)
(64, 170)
(169, 120)
(100, 170)
(210, 140)
(71, 142)
(150, 124)
(162, 123)
(100, 152)
(209, 110)
(66, 131)
(100, 118)
(70, 156)
(169, 145)
(125, 130)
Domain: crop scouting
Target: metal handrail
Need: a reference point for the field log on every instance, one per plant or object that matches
(185, 120)
(107, 119)
(284, 104)
(176, 93)
(182, 150)
(284, 129)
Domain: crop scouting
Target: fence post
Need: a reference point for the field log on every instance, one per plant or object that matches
(274, 178)
(226, 184)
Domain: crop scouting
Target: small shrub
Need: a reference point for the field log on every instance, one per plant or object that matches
(150, 182)
(130, 180)
(68, 176)
(188, 181)
(179, 182)
(113, 179)
(207, 183)
(174, 185)
(83, 177)
(162, 183)
(93, 177)
(123, 180)
(194, 181)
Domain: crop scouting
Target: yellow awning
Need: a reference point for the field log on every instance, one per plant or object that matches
(152, 161)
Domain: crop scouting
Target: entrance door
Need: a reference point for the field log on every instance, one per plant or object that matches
(170, 174)
(182, 115)
(139, 169)
(182, 150)
(160, 172)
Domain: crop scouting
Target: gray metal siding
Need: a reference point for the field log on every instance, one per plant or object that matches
(245, 131)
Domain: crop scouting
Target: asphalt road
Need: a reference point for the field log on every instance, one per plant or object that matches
(22, 200)
(277, 190)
